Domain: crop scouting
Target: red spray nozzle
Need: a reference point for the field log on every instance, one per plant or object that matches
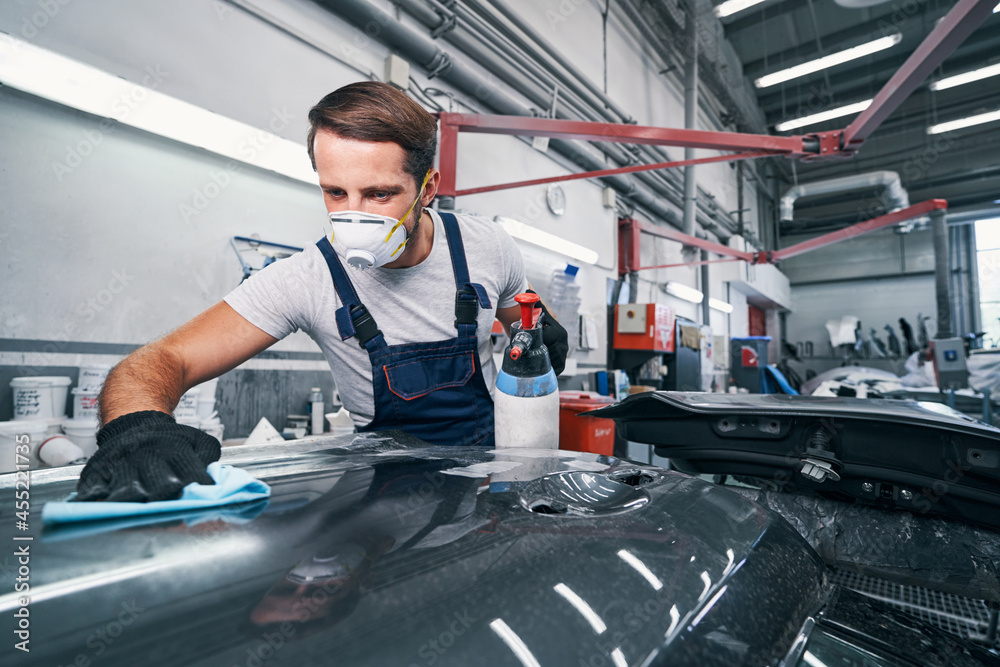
(529, 314)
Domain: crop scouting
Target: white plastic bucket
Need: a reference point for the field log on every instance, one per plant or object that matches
(55, 426)
(213, 427)
(84, 403)
(29, 432)
(42, 397)
(58, 450)
(206, 406)
(194, 421)
(187, 408)
(340, 422)
(83, 433)
(208, 388)
(92, 377)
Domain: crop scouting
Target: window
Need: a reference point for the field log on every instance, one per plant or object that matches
(988, 257)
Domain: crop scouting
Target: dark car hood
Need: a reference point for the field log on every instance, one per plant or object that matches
(380, 550)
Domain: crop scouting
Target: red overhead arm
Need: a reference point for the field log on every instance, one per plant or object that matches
(749, 145)
(953, 29)
(629, 230)
(908, 213)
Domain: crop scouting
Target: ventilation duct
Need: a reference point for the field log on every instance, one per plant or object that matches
(895, 196)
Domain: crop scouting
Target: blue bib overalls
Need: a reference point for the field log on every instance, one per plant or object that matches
(434, 391)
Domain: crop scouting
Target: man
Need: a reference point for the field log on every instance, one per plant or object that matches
(401, 301)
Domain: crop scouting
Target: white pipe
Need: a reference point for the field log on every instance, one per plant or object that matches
(895, 195)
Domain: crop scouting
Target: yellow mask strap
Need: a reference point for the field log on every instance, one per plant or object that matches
(408, 211)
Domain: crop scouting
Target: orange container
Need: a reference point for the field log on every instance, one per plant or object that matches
(585, 433)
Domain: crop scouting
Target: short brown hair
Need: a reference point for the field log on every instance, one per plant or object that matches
(373, 111)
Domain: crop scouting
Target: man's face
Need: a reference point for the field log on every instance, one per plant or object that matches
(365, 176)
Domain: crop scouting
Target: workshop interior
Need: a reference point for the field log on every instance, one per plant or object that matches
(769, 228)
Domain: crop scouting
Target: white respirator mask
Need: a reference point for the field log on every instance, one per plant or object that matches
(369, 240)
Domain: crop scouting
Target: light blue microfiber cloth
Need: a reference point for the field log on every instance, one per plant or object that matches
(232, 485)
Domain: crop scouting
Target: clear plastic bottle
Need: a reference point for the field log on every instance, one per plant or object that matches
(316, 410)
(564, 302)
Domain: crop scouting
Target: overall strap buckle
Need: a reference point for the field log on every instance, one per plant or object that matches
(365, 327)
(466, 305)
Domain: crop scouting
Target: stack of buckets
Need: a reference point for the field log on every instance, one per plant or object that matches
(40, 419)
(197, 408)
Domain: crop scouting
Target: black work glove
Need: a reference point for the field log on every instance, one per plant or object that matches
(555, 338)
(146, 456)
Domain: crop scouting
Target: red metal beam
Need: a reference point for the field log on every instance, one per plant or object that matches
(953, 29)
(704, 244)
(915, 211)
(448, 160)
(700, 263)
(628, 245)
(730, 157)
(618, 132)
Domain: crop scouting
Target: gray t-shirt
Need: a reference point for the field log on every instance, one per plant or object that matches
(411, 305)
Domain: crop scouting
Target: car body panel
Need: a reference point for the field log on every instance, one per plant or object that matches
(916, 457)
(376, 550)
(380, 550)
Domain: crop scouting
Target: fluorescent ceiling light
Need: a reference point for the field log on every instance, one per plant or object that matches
(831, 60)
(519, 230)
(684, 292)
(952, 125)
(966, 77)
(730, 7)
(43, 73)
(720, 305)
(822, 116)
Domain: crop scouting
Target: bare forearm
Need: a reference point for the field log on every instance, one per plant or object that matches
(151, 378)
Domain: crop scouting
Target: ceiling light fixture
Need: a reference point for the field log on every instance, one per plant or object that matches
(720, 305)
(966, 77)
(731, 7)
(831, 60)
(830, 114)
(683, 292)
(519, 230)
(46, 74)
(952, 125)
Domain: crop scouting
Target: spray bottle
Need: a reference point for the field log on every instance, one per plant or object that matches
(527, 396)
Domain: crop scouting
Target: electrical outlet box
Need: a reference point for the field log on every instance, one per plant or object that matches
(644, 326)
(948, 356)
(608, 197)
(397, 72)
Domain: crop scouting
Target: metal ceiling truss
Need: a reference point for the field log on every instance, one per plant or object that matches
(955, 27)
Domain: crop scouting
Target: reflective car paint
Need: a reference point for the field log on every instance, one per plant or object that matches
(380, 550)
